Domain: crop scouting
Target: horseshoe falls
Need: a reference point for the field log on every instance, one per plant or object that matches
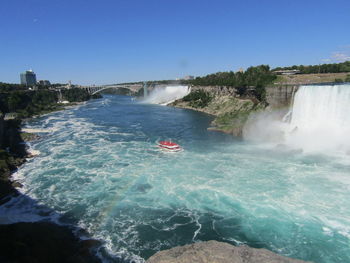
(99, 169)
(321, 119)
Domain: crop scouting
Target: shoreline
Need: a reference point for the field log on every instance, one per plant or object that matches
(44, 240)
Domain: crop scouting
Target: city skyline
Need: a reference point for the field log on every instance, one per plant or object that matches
(105, 42)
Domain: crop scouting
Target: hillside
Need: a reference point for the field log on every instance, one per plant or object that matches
(302, 79)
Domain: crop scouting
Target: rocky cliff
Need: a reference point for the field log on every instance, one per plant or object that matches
(218, 252)
(280, 96)
(216, 90)
(231, 110)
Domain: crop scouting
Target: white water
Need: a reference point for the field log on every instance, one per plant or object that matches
(167, 95)
(321, 119)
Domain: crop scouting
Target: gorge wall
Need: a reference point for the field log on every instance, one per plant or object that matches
(216, 90)
(276, 96)
(231, 110)
(280, 96)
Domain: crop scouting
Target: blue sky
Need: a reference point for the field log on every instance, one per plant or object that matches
(105, 41)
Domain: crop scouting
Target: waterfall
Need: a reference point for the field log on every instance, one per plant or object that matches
(145, 90)
(166, 95)
(320, 119)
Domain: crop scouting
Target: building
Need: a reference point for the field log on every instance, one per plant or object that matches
(28, 78)
(287, 72)
(44, 83)
(188, 77)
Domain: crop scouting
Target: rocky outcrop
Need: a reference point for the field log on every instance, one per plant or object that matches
(276, 96)
(218, 252)
(216, 90)
(231, 113)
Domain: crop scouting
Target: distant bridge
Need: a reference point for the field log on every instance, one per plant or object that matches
(96, 89)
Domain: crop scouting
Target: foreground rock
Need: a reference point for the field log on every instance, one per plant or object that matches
(218, 252)
(44, 242)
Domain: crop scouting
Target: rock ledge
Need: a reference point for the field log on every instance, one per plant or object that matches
(218, 252)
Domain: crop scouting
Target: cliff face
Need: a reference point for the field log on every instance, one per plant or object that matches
(280, 96)
(213, 251)
(231, 112)
(216, 90)
(276, 96)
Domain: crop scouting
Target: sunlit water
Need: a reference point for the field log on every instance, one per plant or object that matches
(100, 169)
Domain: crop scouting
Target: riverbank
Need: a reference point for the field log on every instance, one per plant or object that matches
(33, 241)
(14, 150)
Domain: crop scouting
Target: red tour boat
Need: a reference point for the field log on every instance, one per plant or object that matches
(168, 145)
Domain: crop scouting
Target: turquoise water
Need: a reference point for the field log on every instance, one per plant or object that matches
(100, 169)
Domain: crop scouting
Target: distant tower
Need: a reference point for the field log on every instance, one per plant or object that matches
(28, 78)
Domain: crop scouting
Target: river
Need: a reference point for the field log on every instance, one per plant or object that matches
(100, 168)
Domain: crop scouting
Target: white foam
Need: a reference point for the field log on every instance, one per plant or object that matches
(167, 95)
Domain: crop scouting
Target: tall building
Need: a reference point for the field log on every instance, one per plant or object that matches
(28, 78)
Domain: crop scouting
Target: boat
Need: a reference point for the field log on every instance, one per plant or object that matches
(168, 145)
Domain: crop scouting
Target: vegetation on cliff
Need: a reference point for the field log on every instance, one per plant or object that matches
(26, 104)
(29, 103)
(236, 114)
(198, 99)
(12, 154)
(231, 113)
(75, 95)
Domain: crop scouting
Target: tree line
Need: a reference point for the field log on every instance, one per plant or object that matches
(255, 77)
(28, 103)
(322, 68)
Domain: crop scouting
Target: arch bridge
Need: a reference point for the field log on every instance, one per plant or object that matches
(96, 89)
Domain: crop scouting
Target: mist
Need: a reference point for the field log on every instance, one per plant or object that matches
(319, 122)
(166, 95)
